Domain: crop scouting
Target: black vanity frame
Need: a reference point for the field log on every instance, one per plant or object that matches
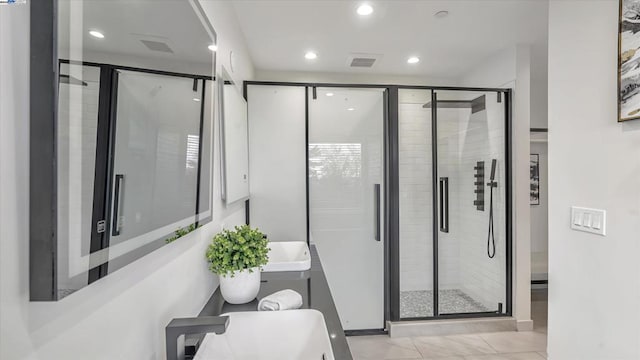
(392, 195)
(43, 87)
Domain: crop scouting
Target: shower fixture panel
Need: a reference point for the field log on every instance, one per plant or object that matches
(479, 184)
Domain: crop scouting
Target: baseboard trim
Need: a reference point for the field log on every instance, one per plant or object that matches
(451, 327)
(524, 325)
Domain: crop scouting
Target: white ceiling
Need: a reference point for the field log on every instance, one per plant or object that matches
(279, 32)
(124, 23)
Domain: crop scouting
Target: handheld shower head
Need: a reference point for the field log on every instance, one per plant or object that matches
(493, 169)
(491, 240)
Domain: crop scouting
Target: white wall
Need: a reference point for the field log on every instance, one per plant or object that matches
(594, 295)
(123, 315)
(373, 78)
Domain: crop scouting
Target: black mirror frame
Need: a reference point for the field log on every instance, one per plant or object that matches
(43, 93)
(43, 249)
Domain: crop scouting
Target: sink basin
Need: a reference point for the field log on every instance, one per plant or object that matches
(270, 335)
(288, 256)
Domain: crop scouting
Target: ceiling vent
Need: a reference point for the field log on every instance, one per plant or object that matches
(157, 46)
(363, 61)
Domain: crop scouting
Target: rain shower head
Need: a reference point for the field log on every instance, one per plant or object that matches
(68, 79)
(476, 105)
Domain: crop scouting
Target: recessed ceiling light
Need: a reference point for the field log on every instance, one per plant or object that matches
(310, 55)
(365, 9)
(213, 47)
(196, 99)
(441, 14)
(96, 34)
(413, 60)
(350, 109)
(329, 94)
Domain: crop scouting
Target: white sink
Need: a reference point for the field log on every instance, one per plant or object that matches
(270, 335)
(288, 256)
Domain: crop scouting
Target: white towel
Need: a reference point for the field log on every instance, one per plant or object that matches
(281, 300)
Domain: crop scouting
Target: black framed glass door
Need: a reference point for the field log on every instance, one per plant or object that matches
(453, 241)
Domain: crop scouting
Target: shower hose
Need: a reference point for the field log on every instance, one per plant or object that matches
(491, 239)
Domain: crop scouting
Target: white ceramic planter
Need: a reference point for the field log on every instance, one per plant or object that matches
(242, 288)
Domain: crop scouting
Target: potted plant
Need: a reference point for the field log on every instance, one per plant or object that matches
(236, 256)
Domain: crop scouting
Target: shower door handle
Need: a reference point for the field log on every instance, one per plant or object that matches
(376, 200)
(115, 228)
(444, 204)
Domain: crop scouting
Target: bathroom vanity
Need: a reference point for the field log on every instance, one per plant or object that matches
(311, 284)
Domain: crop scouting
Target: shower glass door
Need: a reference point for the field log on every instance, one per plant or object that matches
(156, 158)
(452, 223)
(346, 193)
(415, 179)
(471, 242)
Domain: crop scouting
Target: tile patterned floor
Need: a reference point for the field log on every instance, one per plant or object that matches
(530, 345)
(451, 301)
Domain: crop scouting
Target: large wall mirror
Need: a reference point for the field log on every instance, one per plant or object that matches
(234, 136)
(127, 160)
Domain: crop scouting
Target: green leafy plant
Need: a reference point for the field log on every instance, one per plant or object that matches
(182, 232)
(236, 250)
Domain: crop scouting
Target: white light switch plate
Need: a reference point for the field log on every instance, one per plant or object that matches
(589, 220)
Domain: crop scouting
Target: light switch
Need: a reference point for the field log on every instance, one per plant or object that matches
(577, 218)
(588, 220)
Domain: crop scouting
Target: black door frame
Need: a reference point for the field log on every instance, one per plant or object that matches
(395, 220)
(392, 191)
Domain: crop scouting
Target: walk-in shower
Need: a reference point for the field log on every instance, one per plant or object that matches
(452, 238)
(386, 181)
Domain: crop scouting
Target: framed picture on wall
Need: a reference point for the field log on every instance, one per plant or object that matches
(629, 60)
(534, 177)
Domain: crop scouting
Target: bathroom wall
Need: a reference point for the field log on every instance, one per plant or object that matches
(324, 77)
(123, 315)
(594, 290)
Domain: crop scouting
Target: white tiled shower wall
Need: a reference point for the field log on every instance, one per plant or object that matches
(415, 171)
(481, 138)
(463, 260)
